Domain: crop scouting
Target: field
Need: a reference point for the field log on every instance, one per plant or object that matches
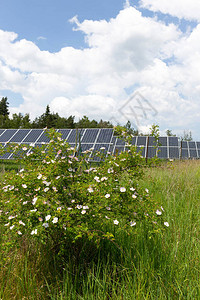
(166, 266)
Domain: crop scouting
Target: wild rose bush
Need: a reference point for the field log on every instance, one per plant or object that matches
(60, 196)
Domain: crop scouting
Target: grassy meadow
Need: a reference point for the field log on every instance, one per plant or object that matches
(133, 267)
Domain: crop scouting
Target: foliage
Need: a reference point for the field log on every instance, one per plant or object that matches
(57, 196)
(163, 267)
(169, 133)
(187, 136)
(4, 107)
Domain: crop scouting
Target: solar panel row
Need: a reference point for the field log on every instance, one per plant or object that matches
(166, 147)
(97, 138)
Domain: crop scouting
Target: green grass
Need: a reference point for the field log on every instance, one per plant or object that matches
(136, 267)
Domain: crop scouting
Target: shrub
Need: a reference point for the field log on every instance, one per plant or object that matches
(59, 196)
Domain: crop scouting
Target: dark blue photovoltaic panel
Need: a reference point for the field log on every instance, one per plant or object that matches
(151, 152)
(152, 141)
(74, 136)
(72, 145)
(184, 153)
(192, 145)
(120, 142)
(39, 145)
(114, 138)
(173, 152)
(99, 148)
(1, 147)
(90, 136)
(5, 137)
(118, 149)
(198, 153)
(43, 138)
(162, 152)
(141, 150)
(105, 135)
(184, 144)
(33, 136)
(85, 147)
(133, 141)
(193, 153)
(1, 131)
(198, 145)
(141, 141)
(19, 136)
(162, 141)
(6, 154)
(173, 141)
(64, 132)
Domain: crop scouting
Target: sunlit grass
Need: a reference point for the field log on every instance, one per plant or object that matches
(135, 267)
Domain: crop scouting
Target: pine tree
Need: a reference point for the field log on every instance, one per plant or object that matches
(4, 107)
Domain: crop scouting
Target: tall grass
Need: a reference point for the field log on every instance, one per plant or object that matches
(135, 267)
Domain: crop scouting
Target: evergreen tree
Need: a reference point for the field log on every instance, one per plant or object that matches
(4, 107)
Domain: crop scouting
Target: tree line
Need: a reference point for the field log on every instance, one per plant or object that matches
(50, 120)
(53, 120)
(47, 119)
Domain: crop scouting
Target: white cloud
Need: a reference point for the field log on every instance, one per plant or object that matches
(187, 9)
(93, 106)
(128, 52)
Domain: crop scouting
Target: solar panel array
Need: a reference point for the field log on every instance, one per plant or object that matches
(190, 149)
(104, 139)
(167, 147)
(84, 139)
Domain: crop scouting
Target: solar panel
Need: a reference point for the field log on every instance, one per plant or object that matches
(120, 142)
(162, 152)
(105, 135)
(173, 152)
(64, 132)
(162, 141)
(85, 147)
(75, 135)
(43, 138)
(193, 153)
(184, 144)
(19, 136)
(142, 151)
(192, 145)
(151, 152)
(141, 140)
(33, 135)
(119, 149)
(185, 153)
(7, 134)
(173, 141)
(90, 136)
(198, 145)
(151, 141)
(168, 147)
(133, 141)
(6, 155)
(1, 131)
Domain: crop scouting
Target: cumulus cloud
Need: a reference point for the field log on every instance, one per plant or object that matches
(127, 53)
(187, 9)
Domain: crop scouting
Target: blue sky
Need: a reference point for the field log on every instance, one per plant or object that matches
(46, 22)
(93, 64)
